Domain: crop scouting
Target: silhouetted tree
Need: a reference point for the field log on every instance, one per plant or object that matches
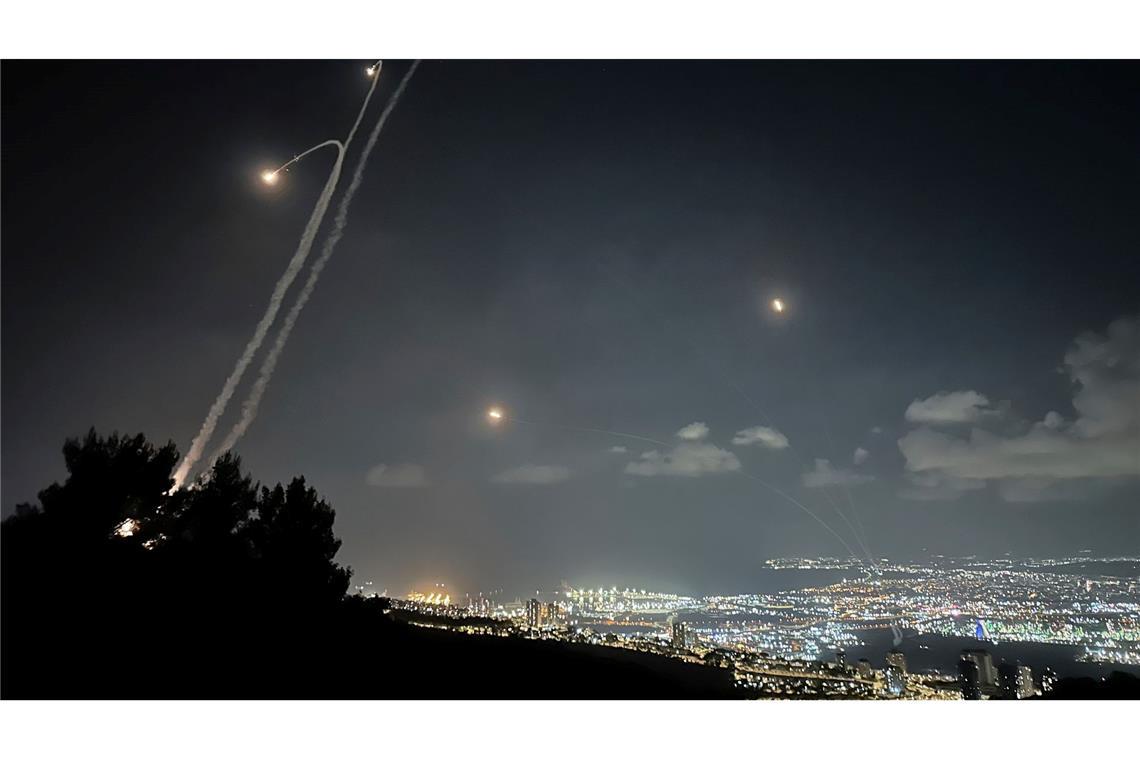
(292, 535)
(117, 587)
(109, 480)
(115, 573)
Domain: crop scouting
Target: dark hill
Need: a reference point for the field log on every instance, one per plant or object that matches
(355, 652)
(116, 586)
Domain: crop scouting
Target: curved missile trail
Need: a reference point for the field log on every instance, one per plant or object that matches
(801, 508)
(250, 406)
(299, 156)
(198, 445)
(259, 333)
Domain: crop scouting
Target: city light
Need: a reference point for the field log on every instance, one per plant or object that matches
(790, 643)
(126, 528)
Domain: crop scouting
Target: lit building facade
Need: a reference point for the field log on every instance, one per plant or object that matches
(969, 678)
(534, 613)
(680, 635)
(1016, 680)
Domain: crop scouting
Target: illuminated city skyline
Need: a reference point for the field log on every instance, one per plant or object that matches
(1079, 615)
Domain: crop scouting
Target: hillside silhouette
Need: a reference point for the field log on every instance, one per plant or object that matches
(113, 587)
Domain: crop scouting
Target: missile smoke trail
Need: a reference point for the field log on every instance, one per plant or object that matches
(259, 333)
(269, 364)
(198, 445)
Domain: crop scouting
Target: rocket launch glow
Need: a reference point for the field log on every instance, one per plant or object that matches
(253, 401)
(198, 445)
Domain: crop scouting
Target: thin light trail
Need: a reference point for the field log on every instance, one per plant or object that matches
(787, 497)
(859, 524)
(851, 501)
(313, 149)
(727, 379)
(768, 421)
(631, 436)
(835, 505)
(269, 364)
(802, 508)
(198, 445)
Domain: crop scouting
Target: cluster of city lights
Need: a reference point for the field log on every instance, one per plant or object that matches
(780, 643)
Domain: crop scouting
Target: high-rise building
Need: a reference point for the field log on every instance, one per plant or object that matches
(680, 637)
(896, 681)
(863, 668)
(840, 657)
(552, 613)
(480, 606)
(896, 672)
(898, 659)
(533, 613)
(1016, 680)
(987, 673)
(1007, 680)
(1025, 688)
(968, 677)
(1048, 680)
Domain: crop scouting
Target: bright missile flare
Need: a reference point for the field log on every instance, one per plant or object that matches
(778, 305)
(494, 415)
(269, 178)
(370, 70)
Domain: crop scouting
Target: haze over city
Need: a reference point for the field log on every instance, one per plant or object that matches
(598, 245)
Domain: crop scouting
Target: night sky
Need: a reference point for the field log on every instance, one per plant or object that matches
(594, 245)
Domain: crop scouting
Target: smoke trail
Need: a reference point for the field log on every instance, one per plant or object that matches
(250, 406)
(198, 445)
(259, 333)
